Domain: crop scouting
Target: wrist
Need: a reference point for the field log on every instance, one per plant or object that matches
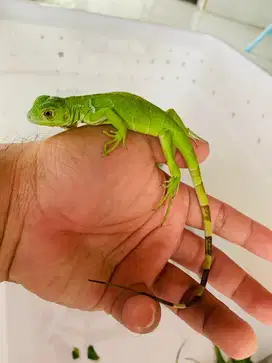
(17, 168)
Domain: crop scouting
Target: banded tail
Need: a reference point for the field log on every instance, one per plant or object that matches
(206, 216)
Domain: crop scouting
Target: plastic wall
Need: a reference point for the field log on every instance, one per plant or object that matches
(219, 94)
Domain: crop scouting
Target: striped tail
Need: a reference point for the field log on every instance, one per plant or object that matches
(206, 216)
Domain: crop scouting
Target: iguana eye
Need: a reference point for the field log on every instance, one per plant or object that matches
(48, 113)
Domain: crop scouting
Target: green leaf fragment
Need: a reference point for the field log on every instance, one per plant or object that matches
(75, 353)
(246, 360)
(219, 356)
(220, 359)
(92, 353)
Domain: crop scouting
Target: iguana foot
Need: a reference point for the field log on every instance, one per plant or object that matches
(116, 140)
(171, 186)
(195, 137)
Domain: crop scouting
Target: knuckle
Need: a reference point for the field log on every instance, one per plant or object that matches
(221, 218)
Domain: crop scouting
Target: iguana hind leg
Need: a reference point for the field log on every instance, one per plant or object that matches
(175, 117)
(171, 185)
(195, 137)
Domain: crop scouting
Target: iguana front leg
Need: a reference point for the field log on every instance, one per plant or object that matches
(107, 116)
(171, 185)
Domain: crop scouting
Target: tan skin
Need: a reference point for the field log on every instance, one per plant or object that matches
(77, 215)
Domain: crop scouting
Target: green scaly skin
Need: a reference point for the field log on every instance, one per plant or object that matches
(126, 111)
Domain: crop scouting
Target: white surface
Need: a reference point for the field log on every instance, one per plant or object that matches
(186, 16)
(220, 95)
(254, 12)
(3, 325)
(49, 333)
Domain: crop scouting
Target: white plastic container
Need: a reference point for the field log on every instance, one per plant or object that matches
(220, 95)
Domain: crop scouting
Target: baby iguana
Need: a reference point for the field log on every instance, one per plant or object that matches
(126, 111)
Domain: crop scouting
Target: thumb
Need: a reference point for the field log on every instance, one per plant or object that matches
(140, 314)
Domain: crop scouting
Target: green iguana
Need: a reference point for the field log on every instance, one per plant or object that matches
(126, 111)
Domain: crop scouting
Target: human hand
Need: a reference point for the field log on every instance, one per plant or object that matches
(91, 217)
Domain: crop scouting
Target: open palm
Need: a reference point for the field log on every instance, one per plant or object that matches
(92, 217)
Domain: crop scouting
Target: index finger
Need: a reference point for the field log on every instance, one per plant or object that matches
(202, 150)
(230, 224)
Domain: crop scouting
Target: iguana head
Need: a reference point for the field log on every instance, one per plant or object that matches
(49, 111)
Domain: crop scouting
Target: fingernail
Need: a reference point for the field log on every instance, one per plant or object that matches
(145, 316)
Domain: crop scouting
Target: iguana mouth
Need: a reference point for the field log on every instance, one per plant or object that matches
(28, 116)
